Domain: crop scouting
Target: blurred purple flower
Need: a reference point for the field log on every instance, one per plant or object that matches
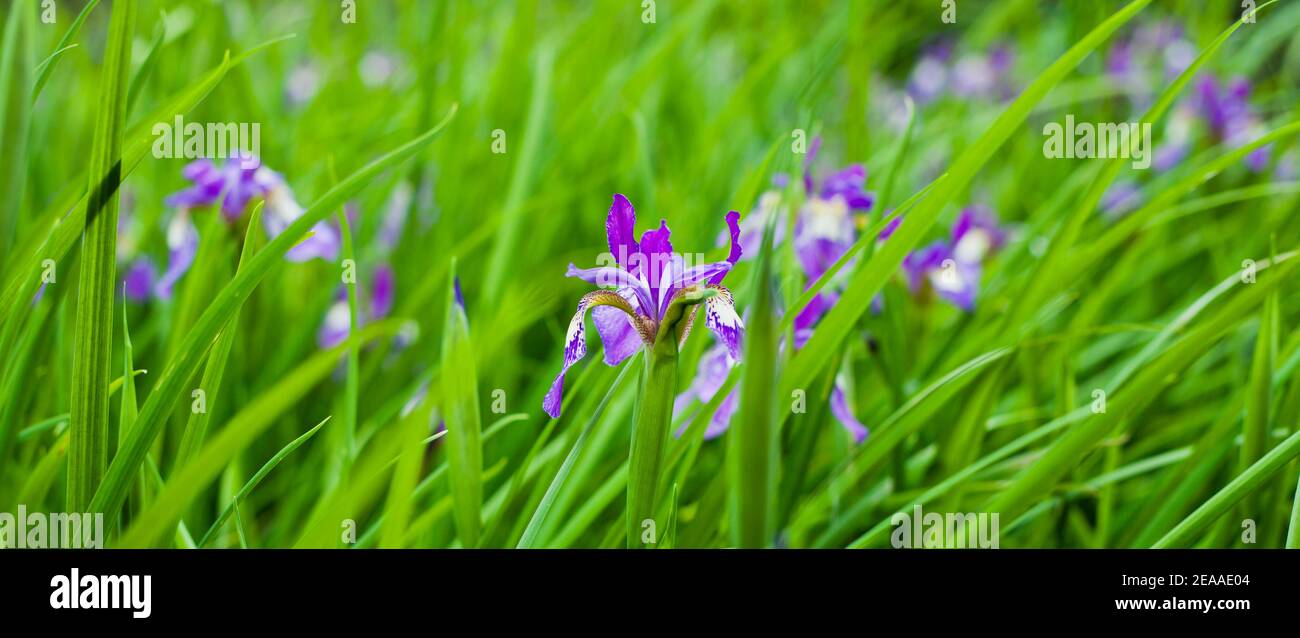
(138, 281)
(1120, 199)
(182, 246)
(953, 267)
(374, 303)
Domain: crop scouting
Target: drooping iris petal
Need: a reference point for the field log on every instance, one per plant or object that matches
(575, 343)
(620, 227)
(714, 366)
(281, 211)
(733, 227)
(842, 413)
(722, 418)
(721, 319)
(917, 264)
(242, 185)
(138, 282)
(811, 314)
(619, 337)
(182, 245)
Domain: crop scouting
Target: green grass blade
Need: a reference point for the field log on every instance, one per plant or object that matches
(147, 66)
(752, 446)
(93, 338)
(1254, 431)
(464, 425)
(192, 350)
(196, 427)
(824, 345)
(1219, 504)
(253, 482)
(64, 43)
(17, 59)
(535, 524)
(1042, 476)
(187, 483)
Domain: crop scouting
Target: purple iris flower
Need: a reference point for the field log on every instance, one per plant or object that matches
(1225, 109)
(953, 267)
(824, 231)
(138, 281)
(376, 303)
(639, 284)
(1120, 199)
(973, 75)
(182, 246)
(234, 184)
(929, 78)
(282, 210)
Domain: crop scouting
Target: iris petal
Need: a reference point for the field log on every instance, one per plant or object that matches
(721, 318)
(840, 409)
(182, 244)
(575, 343)
(733, 227)
(619, 227)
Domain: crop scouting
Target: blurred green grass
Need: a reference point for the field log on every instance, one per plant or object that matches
(689, 116)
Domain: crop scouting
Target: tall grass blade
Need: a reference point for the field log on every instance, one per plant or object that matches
(93, 338)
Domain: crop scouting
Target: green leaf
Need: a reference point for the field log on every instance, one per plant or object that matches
(93, 338)
(189, 481)
(752, 445)
(1219, 504)
(529, 538)
(824, 345)
(196, 427)
(459, 382)
(253, 482)
(64, 44)
(180, 369)
(1065, 452)
(17, 61)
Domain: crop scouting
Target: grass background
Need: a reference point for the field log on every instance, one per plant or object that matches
(689, 116)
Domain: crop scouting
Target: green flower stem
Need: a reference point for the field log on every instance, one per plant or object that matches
(653, 419)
